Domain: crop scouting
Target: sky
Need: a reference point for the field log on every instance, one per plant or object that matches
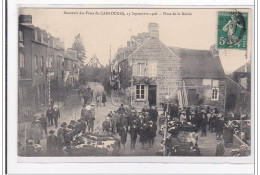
(195, 30)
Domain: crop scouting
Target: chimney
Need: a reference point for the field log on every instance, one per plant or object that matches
(214, 50)
(128, 43)
(153, 29)
(25, 19)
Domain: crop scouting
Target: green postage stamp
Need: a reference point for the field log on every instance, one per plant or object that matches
(232, 30)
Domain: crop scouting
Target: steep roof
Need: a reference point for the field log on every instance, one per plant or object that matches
(199, 63)
(245, 68)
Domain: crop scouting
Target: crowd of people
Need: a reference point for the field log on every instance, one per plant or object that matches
(206, 120)
(90, 96)
(68, 134)
(126, 120)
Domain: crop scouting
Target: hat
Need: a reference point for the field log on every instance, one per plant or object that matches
(183, 112)
(203, 111)
(146, 113)
(51, 131)
(150, 121)
(63, 124)
(192, 113)
(72, 121)
(132, 110)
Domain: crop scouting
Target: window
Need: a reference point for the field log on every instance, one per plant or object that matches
(21, 60)
(139, 91)
(20, 35)
(36, 64)
(215, 83)
(140, 69)
(42, 65)
(243, 82)
(215, 94)
(206, 82)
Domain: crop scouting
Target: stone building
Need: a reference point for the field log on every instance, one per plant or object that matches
(150, 71)
(41, 65)
(238, 98)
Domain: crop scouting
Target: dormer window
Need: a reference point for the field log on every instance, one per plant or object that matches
(20, 36)
(42, 37)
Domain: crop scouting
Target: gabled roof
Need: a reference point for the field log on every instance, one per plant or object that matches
(199, 63)
(245, 68)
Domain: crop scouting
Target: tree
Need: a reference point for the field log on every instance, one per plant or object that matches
(79, 47)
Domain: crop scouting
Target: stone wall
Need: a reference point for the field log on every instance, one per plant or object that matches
(242, 98)
(205, 92)
(167, 72)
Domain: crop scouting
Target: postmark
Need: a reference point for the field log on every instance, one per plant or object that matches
(232, 30)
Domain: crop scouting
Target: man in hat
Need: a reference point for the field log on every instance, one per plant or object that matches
(154, 114)
(133, 134)
(56, 115)
(183, 117)
(151, 132)
(203, 123)
(121, 109)
(145, 109)
(147, 117)
(193, 118)
(51, 143)
(123, 135)
(90, 121)
(131, 118)
(44, 123)
(143, 132)
(49, 115)
(84, 112)
(110, 115)
(219, 125)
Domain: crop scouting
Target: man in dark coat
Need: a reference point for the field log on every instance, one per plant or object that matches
(56, 116)
(145, 109)
(154, 115)
(133, 134)
(123, 135)
(203, 123)
(49, 115)
(44, 124)
(143, 133)
(147, 117)
(90, 121)
(219, 125)
(51, 143)
(121, 109)
(84, 112)
(151, 132)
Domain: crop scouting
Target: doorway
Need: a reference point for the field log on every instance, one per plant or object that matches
(152, 95)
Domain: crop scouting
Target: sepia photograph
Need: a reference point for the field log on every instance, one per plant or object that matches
(111, 82)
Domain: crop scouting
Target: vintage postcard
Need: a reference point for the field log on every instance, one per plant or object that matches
(135, 82)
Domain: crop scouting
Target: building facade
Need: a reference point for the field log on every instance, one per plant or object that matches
(42, 66)
(238, 99)
(150, 71)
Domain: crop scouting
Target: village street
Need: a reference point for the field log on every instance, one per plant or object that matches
(207, 145)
